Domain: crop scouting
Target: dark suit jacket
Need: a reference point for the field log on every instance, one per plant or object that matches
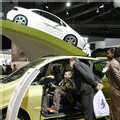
(84, 78)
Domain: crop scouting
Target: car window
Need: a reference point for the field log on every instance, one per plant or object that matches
(98, 68)
(49, 16)
(100, 52)
(63, 24)
(42, 74)
(61, 65)
(64, 65)
(18, 73)
(44, 77)
(36, 11)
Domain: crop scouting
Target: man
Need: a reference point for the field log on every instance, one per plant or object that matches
(62, 91)
(86, 84)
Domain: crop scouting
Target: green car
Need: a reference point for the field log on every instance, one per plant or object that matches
(33, 87)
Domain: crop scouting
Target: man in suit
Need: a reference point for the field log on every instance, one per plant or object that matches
(86, 86)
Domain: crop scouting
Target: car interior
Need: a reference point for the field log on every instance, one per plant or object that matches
(54, 75)
(66, 109)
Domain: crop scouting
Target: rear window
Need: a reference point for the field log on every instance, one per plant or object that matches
(99, 52)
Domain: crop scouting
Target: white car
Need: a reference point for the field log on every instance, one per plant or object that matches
(46, 22)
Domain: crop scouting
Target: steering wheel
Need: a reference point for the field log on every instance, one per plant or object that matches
(47, 80)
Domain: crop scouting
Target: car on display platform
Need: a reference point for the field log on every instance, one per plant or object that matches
(34, 84)
(46, 22)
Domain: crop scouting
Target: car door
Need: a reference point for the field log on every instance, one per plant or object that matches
(53, 25)
(97, 68)
(63, 66)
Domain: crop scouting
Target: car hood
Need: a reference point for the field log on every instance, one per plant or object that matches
(6, 92)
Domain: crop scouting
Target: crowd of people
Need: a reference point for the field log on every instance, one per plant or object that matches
(7, 69)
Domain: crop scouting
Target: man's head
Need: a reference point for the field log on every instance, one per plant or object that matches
(67, 75)
(73, 61)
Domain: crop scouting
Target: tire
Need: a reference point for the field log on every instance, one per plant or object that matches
(71, 39)
(21, 116)
(20, 19)
(3, 115)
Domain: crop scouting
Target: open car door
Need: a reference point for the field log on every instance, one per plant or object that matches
(19, 93)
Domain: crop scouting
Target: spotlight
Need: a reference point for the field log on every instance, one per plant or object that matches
(102, 6)
(97, 10)
(67, 13)
(68, 4)
(46, 6)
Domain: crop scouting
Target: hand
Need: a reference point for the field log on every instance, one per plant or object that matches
(99, 86)
(105, 70)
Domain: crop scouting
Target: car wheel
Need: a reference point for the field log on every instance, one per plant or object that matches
(21, 116)
(18, 118)
(3, 115)
(20, 19)
(71, 39)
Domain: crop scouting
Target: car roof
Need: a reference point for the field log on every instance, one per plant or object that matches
(43, 11)
(48, 59)
(47, 12)
(31, 9)
(53, 58)
(68, 57)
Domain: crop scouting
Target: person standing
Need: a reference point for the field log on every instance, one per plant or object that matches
(113, 74)
(86, 86)
(14, 67)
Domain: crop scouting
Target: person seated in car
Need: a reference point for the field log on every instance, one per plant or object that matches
(62, 91)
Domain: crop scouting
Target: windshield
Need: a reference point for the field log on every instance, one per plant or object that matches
(18, 73)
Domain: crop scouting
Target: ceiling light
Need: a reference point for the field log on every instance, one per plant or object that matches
(68, 4)
(67, 13)
(46, 6)
(102, 6)
(97, 10)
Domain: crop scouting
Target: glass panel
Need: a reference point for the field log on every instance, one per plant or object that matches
(50, 17)
(18, 73)
(98, 68)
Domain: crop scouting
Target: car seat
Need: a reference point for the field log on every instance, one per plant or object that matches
(57, 74)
